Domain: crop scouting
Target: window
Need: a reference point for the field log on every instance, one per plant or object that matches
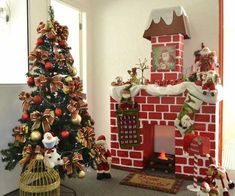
(74, 19)
(14, 44)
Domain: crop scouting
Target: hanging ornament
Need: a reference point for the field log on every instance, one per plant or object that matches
(39, 41)
(24, 116)
(48, 66)
(81, 174)
(65, 134)
(37, 99)
(73, 71)
(68, 79)
(35, 135)
(77, 119)
(58, 112)
(30, 81)
(65, 89)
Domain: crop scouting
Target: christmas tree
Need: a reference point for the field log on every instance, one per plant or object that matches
(55, 122)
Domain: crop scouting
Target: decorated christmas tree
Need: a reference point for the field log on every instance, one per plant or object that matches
(55, 123)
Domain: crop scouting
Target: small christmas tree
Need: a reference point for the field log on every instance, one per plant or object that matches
(54, 117)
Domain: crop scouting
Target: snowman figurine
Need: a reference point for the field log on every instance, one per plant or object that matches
(51, 157)
(49, 141)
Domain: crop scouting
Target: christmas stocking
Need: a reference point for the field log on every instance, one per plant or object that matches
(185, 119)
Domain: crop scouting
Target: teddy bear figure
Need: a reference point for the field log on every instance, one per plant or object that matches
(52, 158)
(104, 159)
(133, 74)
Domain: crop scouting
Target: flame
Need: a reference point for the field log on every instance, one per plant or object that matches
(162, 156)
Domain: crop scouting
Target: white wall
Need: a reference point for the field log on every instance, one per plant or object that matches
(13, 39)
(118, 27)
(10, 112)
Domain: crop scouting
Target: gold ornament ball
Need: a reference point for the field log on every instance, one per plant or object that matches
(73, 71)
(81, 174)
(68, 79)
(35, 136)
(65, 89)
(77, 120)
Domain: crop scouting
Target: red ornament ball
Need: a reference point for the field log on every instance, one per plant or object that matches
(30, 81)
(24, 116)
(65, 134)
(39, 41)
(58, 112)
(48, 66)
(37, 99)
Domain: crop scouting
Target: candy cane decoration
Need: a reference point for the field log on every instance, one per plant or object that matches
(195, 169)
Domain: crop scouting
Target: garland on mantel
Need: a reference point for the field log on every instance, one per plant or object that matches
(195, 97)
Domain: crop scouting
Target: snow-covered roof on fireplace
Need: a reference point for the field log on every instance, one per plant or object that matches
(167, 21)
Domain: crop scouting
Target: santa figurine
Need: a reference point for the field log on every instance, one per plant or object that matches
(104, 159)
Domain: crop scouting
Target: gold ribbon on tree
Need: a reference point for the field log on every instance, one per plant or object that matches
(61, 31)
(28, 153)
(46, 29)
(26, 98)
(75, 88)
(56, 83)
(41, 55)
(40, 81)
(69, 164)
(60, 59)
(73, 107)
(86, 136)
(19, 132)
(69, 58)
(46, 119)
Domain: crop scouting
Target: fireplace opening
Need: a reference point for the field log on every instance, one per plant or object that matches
(163, 157)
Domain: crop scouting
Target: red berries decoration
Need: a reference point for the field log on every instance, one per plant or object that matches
(37, 99)
(48, 66)
(65, 134)
(39, 41)
(24, 116)
(58, 112)
(30, 81)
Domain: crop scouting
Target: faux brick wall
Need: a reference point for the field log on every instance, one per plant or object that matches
(163, 111)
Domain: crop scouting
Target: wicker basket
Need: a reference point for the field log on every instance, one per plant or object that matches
(38, 180)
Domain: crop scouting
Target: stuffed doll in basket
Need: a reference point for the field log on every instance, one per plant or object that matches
(103, 158)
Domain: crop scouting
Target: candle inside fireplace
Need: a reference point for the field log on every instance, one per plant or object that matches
(162, 156)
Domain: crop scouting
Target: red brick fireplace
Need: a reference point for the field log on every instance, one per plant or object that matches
(163, 110)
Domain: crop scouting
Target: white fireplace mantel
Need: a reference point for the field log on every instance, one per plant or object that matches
(177, 89)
